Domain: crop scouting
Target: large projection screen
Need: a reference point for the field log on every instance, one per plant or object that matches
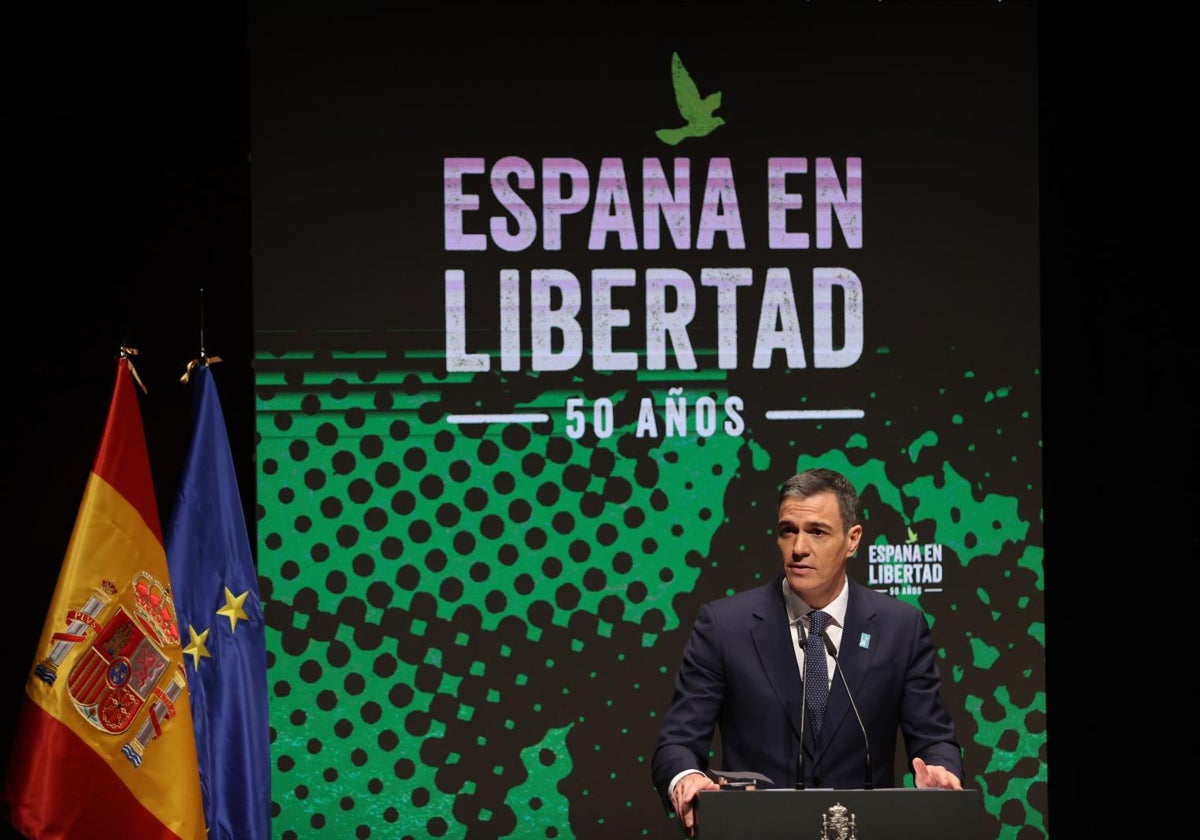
(547, 304)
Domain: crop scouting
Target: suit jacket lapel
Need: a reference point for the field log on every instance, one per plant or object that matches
(773, 641)
(854, 660)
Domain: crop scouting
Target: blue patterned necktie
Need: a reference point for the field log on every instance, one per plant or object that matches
(815, 672)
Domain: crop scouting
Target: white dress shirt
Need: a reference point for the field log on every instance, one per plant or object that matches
(798, 611)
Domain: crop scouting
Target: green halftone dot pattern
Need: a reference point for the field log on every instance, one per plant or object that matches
(985, 655)
(871, 473)
(760, 459)
(384, 528)
(331, 737)
(1015, 759)
(554, 509)
(336, 766)
(470, 580)
(375, 772)
(928, 439)
(973, 528)
(1037, 630)
(1033, 559)
(540, 809)
(700, 474)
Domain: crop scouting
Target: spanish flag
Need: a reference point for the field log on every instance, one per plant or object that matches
(105, 746)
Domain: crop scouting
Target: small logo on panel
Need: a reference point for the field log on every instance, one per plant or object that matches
(908, 568)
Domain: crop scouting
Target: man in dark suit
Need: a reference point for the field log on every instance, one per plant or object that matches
(743, 664)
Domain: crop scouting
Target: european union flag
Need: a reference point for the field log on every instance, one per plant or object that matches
(221, 628)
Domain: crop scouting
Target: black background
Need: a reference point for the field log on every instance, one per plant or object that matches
(127, 184)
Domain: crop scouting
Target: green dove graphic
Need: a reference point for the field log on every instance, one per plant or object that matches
(696, 110)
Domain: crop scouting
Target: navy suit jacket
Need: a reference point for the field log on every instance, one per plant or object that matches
(739, 673)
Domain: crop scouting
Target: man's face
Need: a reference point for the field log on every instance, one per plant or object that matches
(815, 547)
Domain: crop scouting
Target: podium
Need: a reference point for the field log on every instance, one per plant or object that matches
(884, 814)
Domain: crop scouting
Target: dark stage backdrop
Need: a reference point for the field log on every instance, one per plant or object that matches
(545, 311)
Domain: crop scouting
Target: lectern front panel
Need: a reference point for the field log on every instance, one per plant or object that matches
(887, 814)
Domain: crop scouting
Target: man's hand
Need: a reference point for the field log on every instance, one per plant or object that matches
(934, 776)
(683, 798)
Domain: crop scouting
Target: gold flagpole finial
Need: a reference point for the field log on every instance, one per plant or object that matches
(187, 373)
(128, 353)
(195, 363)
(204, 359)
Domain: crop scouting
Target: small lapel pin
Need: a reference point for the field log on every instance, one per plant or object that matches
(864, 641)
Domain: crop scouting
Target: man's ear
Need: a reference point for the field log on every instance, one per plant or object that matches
(854, 535)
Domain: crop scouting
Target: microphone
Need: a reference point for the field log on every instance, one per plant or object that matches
(838, 667)
(803, 642)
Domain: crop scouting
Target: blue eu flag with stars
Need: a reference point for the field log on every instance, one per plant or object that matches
(220, 616)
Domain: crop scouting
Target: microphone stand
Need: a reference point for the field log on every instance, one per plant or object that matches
(838, 667)
(803, 642)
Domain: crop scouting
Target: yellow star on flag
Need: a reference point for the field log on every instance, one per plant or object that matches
(196, 647)
(233, 608)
